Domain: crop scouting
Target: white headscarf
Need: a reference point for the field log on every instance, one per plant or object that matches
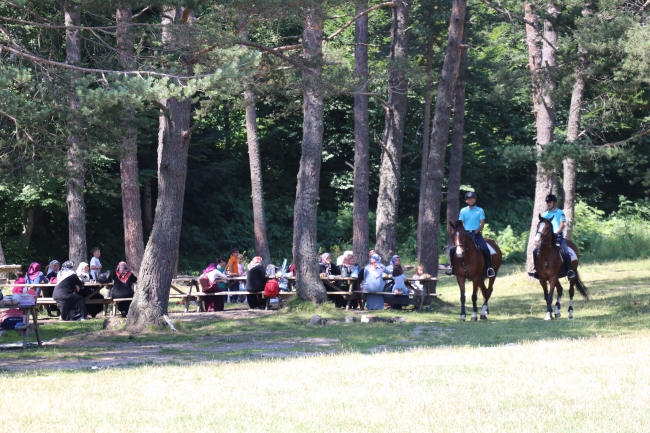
(66, 271)
(50, 267)
(83, 276)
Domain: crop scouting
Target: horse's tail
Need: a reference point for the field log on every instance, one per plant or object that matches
(581, 287)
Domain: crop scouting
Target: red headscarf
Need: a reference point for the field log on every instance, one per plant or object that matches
(123, 272)
(33, 271)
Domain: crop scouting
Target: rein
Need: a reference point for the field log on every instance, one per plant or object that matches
(462, 259)
(547, 256)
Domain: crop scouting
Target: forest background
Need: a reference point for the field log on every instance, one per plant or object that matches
(612, 213)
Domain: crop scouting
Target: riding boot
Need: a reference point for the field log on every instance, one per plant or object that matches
(567, 263)
(535, 254)
(488, 261)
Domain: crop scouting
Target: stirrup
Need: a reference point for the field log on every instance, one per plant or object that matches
(491, 273)
(449, 271)
(570, 274)
(534, 275)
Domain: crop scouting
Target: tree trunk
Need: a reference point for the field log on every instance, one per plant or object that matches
(425, 135)
(457, 132)
(361, 224)
(75, 166)
(542, 61)
(147, 205)
(395, 119)
(158, 266)
(305, 247)
(132, 215)
(3, 261)
(28, 225)
(440, 137)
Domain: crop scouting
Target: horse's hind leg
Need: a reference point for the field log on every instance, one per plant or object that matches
(571, 293)
(557, 312)
(474, 299)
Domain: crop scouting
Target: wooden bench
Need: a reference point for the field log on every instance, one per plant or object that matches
(200, 297)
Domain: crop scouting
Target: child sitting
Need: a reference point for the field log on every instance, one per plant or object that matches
(399, 286)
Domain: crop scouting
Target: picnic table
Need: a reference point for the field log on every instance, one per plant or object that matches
(417, 299)
(26, 327)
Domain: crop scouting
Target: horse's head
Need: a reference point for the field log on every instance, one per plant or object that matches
(544, 233)
(459, 235)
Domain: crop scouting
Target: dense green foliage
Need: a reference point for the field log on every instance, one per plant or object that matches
(499, 131)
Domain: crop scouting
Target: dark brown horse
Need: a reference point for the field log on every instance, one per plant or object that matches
(469, 263)
(550, 268)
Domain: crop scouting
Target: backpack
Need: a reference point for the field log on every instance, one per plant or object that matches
(104, 277)
(271, 289)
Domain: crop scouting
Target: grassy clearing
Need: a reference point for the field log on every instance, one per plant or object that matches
(513, 373)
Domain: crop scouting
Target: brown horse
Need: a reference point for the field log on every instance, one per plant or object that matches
(550, 268)
(469, 263)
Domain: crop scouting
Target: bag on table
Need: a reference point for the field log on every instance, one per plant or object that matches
(355, 272)
(272, 288)
(104, 277)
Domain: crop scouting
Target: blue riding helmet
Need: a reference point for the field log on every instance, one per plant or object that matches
(470, 195)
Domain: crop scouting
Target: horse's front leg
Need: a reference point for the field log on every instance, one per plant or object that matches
(572, 291)
(461, 284)
(557, 312)
(474, 299)
(549, 298)
(487, 293)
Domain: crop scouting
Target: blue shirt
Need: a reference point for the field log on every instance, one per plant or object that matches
(558, 217)
(471, 218)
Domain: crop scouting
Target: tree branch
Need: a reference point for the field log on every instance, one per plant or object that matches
(60, 27)
(189, 132)
(43, 61)
(366, 12)
(620, 143)
(518, 18)
(381, 101)
(275, 53)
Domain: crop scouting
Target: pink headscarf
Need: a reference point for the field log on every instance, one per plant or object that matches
(256, 261)
(18, 289)
(33, 271)
(211, 267)
(123, 272)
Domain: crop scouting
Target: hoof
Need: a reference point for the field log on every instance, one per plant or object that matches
(474, 319)
(570, 314)
(462, 318)
(557, 315)
(483, 317)
(548, 316)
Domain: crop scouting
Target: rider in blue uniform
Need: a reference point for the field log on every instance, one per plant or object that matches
(558, 228)
(473, 218)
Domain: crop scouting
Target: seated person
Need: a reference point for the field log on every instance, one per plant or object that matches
(373, 280)
(71, 304)
(123, 280)
(214, 277)
(420, 274)
(394, 261)
(35, 276)
(399, 286)
(52, 270)
(341, 259)
(83, 272)
(326, 266)
(255, 282)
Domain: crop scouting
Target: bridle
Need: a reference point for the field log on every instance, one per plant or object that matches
(545, 239)
(462, 247)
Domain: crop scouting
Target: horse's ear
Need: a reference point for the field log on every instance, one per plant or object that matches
(540, 217)
(461, 224)
(551, 219)
(451, 225)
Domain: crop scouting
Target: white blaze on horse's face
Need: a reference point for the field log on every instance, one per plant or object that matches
(538, 235)
(459, 247)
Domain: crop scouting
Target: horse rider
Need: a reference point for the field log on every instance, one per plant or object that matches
(558, 228)
(473, 218)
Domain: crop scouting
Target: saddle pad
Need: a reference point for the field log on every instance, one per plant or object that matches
(572, 253)
(492, 252)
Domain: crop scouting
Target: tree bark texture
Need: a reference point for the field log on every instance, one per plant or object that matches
(75, 165)
(3, 261)
(457, 132)
(440, 138)
(361, 223)
(151, 297)
(28, 225)
(147, 205)
(257, 186)
(395, 119)
(132, 214)
(542, 61)
(425, 134)
(305, 247)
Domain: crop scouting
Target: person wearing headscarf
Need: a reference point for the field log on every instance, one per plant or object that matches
(52, 271)
(255, 282)
(326, 266)
(373, 280)
(82, 272)
(214, 277)
(71, 304)
(341, 259)
(35, 276)
(123, 280)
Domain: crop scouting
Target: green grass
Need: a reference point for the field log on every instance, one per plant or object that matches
(515, 372)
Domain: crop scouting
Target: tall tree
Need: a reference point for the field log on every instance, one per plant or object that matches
(257, 186)
(425, 132)
(160, 259)
(542, 63)
(440, 137)
(457, 133)
(75, 166)
(305, 246)
(131, 211)
(361, 224)
(394, 121)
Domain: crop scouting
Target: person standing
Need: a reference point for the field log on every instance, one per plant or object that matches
(95, 264)
(473, 218)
